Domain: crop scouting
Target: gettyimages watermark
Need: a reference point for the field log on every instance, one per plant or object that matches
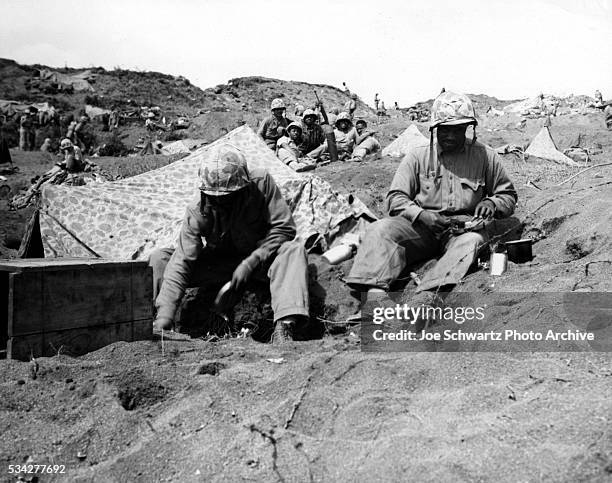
(489, 322)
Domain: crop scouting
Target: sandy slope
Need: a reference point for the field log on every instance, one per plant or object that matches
(201, 411)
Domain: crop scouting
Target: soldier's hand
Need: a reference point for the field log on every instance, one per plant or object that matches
(485, 209)
(241, 276)
(162, 323)
(434, 221)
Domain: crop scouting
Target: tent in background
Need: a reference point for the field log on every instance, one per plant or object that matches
(95, 112)
(410, 138)
(543, 146)
(129, 218)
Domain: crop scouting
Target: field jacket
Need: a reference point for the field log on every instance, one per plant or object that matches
(258, 224)
(453, 185)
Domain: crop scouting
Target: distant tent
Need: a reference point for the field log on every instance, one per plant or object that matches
(94, 112)
(79, 82)
(544, 147)
(129, 218)
(149, 148)
(409, 139)
(9, 108)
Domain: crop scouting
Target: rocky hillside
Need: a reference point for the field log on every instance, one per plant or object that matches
(211, 111)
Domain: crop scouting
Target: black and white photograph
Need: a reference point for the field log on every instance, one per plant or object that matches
(316, 241)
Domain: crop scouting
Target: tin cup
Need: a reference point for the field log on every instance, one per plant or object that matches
(498, 263)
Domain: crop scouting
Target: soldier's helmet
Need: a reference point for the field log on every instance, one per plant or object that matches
(295, 125)
(223, 170)
(65, 144)
(344, 116)
(277, 104)
(451, 109)
(310, 112)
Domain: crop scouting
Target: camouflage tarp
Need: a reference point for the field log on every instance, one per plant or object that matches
(183, 146)
(127, 219)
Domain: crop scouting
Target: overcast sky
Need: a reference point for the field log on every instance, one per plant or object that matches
(405, 50)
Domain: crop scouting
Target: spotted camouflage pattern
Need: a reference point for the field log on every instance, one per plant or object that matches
(223, 170)
(129, 218)
(450, 108)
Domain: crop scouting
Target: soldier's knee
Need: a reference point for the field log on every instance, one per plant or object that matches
(385, 229)
(293, 248)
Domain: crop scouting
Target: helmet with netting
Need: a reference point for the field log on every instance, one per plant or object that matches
(223, 170)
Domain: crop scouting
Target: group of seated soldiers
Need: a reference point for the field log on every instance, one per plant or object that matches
(303, 143)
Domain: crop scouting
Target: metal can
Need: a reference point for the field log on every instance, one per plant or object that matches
(498, 263)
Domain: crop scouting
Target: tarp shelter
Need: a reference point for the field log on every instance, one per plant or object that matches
(79, 82)
(9, 108)
(410, 138)
(544, 147)
(182, 146)
(94, 112)
(149, 148)
(129, 218)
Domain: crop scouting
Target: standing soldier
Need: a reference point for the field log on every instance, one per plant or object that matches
(27, 132)
(608, 116)
(79, 130)
(24, 126)
(70, 131)
(351, 106)
(113, 120)
(5, 154)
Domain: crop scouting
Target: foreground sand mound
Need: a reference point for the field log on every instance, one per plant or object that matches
(319, 411)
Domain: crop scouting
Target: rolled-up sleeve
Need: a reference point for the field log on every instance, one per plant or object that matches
(404, 189)
(500, 189)
(180, 266)
(282, 226)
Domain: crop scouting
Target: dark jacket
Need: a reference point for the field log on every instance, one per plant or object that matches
(258, 224)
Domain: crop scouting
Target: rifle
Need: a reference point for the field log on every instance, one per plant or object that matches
(328, 131)
(320, 104)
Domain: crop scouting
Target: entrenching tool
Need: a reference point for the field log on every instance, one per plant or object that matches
(225, 300)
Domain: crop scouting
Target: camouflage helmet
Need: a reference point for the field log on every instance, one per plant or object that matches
(223, 170)
(277, 104)
(295, 125)
(65, 144)
(309, 112)
(450, 109)
(344, 116)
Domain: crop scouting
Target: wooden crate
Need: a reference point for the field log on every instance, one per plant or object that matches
(72, 306)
